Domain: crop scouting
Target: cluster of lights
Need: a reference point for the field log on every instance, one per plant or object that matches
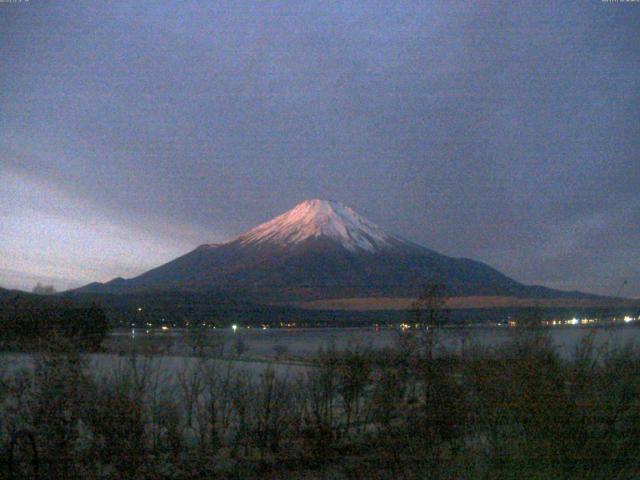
(405, 326)
(288, 325)
(575, 321)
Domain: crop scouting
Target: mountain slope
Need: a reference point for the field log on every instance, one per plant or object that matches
(322, 249)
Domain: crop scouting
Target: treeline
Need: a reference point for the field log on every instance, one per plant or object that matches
(213, 308)
(412, 411)
(30, 323)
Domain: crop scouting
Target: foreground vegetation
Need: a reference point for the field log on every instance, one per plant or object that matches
(520, 412)
(27, 323)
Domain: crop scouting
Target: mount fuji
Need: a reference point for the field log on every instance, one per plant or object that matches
(323, 250)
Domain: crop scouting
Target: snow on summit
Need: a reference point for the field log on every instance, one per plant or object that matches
(321, 218)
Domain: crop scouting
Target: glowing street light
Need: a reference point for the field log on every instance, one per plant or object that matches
(234, 327)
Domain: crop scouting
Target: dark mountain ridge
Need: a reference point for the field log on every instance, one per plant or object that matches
(323, 249)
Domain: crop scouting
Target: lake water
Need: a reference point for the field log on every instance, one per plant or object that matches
(262, 346)
(301, 342)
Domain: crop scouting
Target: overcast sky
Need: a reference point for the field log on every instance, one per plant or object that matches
(507, 132)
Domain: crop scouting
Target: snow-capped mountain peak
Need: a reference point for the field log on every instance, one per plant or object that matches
(321, 218)
(300, 256)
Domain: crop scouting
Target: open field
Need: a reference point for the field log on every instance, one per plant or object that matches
(103, 365)
(467, 302)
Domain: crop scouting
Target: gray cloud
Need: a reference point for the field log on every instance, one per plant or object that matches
(506, 132)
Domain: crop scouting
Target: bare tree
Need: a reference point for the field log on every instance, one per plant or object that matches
(191, 382)
(60, 390)
(271, 406)
(241, 394)
(427, 313)
(354, 370)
